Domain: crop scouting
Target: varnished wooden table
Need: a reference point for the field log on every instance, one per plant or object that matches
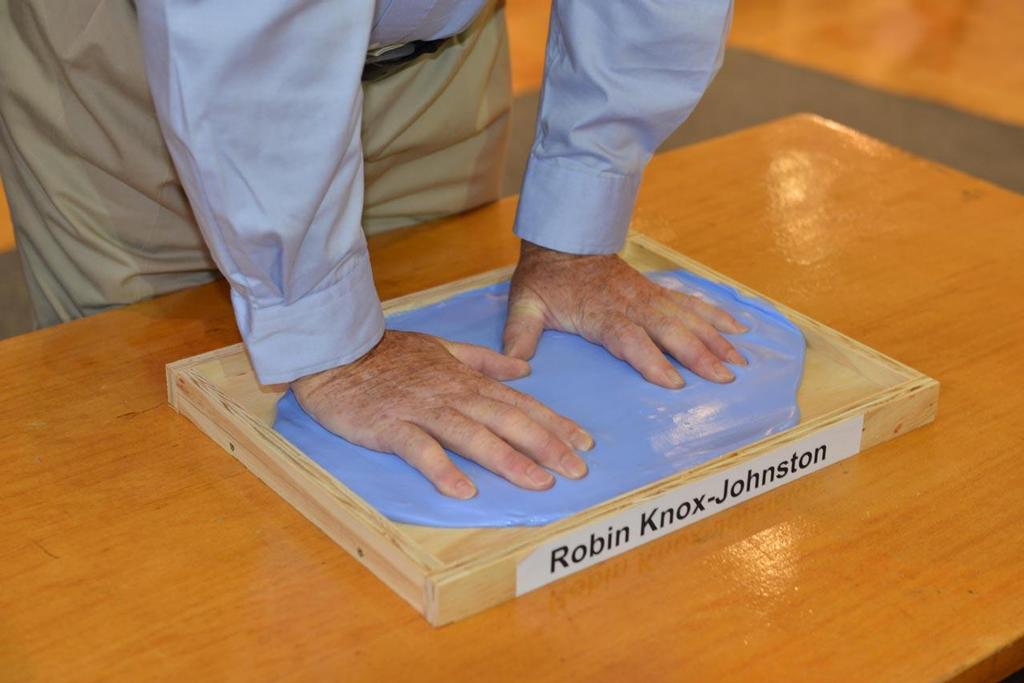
(131, 547)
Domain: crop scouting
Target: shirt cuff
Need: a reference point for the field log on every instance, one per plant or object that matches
(574, 209)
(332, 326)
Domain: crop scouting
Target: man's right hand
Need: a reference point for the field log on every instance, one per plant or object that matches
(414, 393)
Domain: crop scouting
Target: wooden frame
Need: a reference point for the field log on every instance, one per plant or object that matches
(448, 574)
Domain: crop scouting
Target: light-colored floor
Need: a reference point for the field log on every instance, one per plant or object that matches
(964, 53)
(968, 54)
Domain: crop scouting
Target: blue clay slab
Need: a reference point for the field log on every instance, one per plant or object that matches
(643, 432)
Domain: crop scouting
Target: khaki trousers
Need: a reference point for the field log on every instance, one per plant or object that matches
(100, 217)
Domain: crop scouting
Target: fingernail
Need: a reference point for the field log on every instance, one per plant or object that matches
(539, 476)
(734, 357)
(722, 373)
(464, 489)
(673, 379)
(582, 441)
(573, 466)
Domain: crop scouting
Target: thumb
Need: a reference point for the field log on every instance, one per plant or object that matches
(524, 325)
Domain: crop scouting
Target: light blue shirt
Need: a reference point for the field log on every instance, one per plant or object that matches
(261, 104)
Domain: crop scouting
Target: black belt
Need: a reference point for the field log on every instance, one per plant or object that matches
(397, 58)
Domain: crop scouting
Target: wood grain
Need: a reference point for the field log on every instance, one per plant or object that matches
(132, 547)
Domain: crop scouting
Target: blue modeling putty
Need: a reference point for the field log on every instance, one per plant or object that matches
(642, 432)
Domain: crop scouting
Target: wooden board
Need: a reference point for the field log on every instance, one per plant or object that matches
(448, 574)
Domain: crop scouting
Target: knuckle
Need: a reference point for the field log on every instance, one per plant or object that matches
(394, 433)
(441, 465)
(704, 325)
(706, 359)
(551, 447)
(512, 462)
(617, 323)
(516, 397)
(564, 425)
(690, 346)
(717, 313)
(507, 416)
(603, 327)
(721, 343)
(378, 442)
(384, 435)
(478, 436)
(636, 307)
(499, 392)
(683, 299)
(660, 321)
(445, 414)
(687, 301)
(690, 320)
(710, 336)
(428, 450)
(526, 403)
(632, 335)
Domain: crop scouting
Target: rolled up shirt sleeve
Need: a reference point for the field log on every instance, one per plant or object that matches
(261, 104)
(620, 76)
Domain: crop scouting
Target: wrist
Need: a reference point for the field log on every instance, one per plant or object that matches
(533, 254)
(309, 383)
(528, 251)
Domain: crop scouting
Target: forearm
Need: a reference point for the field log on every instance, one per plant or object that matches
(620, 77)
(261, 106)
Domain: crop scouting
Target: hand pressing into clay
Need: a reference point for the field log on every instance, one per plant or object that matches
(414, 393)
(606, 301)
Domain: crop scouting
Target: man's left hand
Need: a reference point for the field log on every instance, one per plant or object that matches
(606, 301)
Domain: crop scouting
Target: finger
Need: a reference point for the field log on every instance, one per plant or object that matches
(720, 319)
(472, 440)
(564, 428)
(488, 362)
(685, 346)
(705, 332)
(627, 341)
(520, 431)
(420, 450)
(523, 327)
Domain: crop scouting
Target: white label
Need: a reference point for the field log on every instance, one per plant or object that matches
(671, 511)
